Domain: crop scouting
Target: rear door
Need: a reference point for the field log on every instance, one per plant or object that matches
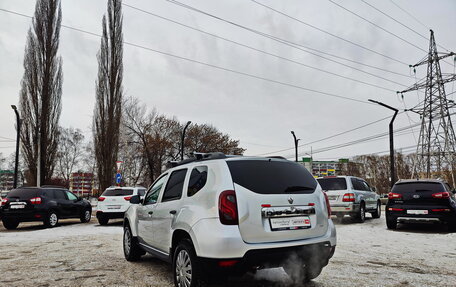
(277, 200)
(419, 195)
(61, 200)
(167, 208)
(335, 188)
(72, 205)
(18, 200)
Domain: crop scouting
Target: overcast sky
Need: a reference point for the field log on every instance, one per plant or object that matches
(257, 112)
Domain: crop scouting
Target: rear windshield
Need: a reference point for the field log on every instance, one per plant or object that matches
(117, 192)
(22, 193)
(418, 187)
(337, 183)
(272, 177)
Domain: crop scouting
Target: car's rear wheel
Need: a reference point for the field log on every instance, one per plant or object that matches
(186, 271)
(102, 220)
(361, 215)
(51, 219)
(132, 251)
(10, 224)
(86, 216)
(301, 272)
(378, 212)
(391, 223)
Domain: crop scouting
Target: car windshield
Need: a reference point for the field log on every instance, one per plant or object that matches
(117, 192)
(418, 187)
(272, 176)
(336, 183)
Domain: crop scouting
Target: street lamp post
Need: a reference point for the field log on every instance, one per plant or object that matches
(296, 145)
(183, 137)
(392, 170)
(18, 124)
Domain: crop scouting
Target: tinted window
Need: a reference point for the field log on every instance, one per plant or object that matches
(198, 179)
(417, 187)
(175, 185)
(48, 193)
(71, 196)
(365, 185)
(59, 194)
(141, 192)
(154, 190)
(117, 192)
(357, 184)
(22, 193)
(336, 183)
(272, 176)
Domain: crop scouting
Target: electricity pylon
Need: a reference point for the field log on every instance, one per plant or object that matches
(436, 144)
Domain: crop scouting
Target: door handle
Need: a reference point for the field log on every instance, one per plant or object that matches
(173, 212)
(150, 212)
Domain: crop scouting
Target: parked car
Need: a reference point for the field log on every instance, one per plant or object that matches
(114, 201)
(47, 204)
(216, 215)
(423, 200)
(349, 195)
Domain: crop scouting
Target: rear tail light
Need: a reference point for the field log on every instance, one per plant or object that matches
(348, 197)
(328, 207)
(445, 194)
(228, 208)
(395, 209)
(101, 198)
(4, 201)
(127, 198)
(393, 195)
(35, 200)
(441, 210)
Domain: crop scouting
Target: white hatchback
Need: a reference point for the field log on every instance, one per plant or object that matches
(115, 200)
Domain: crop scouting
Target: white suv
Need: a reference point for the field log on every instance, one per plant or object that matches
(115, 200)
(228, 215)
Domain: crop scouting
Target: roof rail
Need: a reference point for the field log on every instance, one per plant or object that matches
(276, 156)
(52, 186)
(197, 156)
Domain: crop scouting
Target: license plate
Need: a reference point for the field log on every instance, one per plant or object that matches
(417, 212)
(333, 197)
(290, 223)
(114, 207)
(17, 206)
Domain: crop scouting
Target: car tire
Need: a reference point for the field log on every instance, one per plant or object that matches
(132, 251)
(361, 215)
(303, 272)
(184, 260)
(10, 224)
(102, 220)
(52, 219)
(86, 215)
(378, 212)
(391, 223)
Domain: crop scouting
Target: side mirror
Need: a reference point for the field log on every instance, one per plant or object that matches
(79, 198)
(135, 199)
(374, 189)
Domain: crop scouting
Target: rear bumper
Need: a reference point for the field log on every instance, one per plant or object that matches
(271, 257)
(24, 216)
(432, 216)
(110, 214)
(347, 208)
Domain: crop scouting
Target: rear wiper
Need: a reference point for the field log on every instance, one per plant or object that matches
(297, 188)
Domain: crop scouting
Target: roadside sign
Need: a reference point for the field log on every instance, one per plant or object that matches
(119, 164)
(118, 178)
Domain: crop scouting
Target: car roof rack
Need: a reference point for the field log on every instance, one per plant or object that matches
(52, 186)
(198, 156)
(276, 156)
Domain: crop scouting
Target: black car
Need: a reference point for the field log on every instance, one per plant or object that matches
(47, 204)
(424, 200)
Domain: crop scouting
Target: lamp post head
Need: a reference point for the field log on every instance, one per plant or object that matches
(292, 132)
(189, 122)
(14, 107)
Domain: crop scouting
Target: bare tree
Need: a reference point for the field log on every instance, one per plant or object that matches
(70, 152)
(107, 113)
(41, 91)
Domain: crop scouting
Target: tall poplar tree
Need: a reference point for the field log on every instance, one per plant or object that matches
(41, 91)
(108, 106)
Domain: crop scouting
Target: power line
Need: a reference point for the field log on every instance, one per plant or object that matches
(290, 43)
(326, 32)
(372, 23)
(209, 65)
(329, 137)
(272, 54)
(7, 138)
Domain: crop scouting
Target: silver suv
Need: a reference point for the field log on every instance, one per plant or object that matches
(224, 215)
(349, 195)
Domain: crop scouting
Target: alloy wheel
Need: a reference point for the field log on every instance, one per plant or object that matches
(53, 219)
(183, 269)
(127, 241)
(87, 215)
